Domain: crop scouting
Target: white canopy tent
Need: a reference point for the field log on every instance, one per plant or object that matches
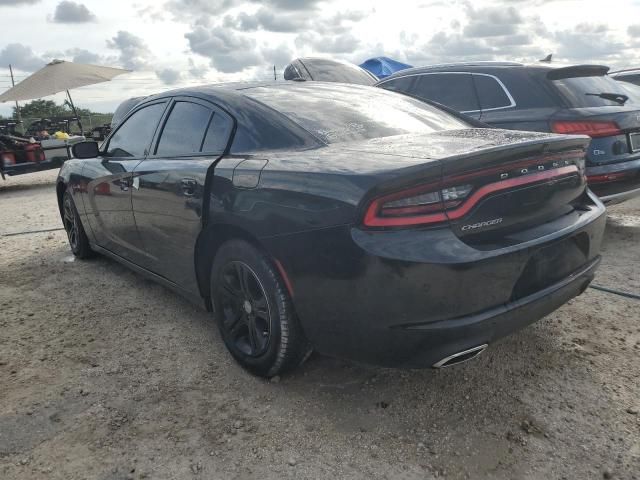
(60, 76)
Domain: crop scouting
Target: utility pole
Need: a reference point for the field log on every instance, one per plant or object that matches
(18, 115)
(275, 77)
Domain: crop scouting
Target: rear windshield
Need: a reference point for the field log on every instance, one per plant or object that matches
(583, 91)
(342, 113)
(332, 71)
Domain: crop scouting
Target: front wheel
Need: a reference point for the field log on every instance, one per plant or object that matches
(78, 240)
(254, 311)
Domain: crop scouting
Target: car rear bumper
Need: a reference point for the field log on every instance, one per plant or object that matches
(624, 183)
(411, 298)
(428, 344)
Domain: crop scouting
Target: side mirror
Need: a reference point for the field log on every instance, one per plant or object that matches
(85, 150)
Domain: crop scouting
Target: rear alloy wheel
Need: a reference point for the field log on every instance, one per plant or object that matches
(245, 311)
(254, 311)
(78, 240)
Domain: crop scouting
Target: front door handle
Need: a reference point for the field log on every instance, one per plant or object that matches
(189, 186)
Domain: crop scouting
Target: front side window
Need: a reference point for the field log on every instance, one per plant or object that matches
(184, 130)
(490, 93)
(454, 90)
(134, 136)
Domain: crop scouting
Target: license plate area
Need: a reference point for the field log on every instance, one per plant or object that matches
(634, 139)
(551, 264)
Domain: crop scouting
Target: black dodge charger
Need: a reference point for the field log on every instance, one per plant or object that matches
(348, 219)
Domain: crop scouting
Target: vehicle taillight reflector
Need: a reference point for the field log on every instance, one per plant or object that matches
(608, 177)
(432, 204)
(592, 128)
(8, 158)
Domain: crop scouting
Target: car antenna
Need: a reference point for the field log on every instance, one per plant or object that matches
(547, 59)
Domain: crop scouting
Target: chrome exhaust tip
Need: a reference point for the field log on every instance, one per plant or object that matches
(461, 357)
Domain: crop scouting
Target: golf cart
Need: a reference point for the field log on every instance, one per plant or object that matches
(37, 150)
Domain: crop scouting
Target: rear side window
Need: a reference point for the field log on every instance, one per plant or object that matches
(134, 136)
(294, 71)
(455, 90)
(337, 113)
(490, 93)
(184, 130)
(218, 133)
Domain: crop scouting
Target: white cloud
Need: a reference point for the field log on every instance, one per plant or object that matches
(134, 53)
(15, 3)
(220, 40)
(492, 21)
(21, 57)
(169, 76)
(227, 50)
(589, 41)
(72, 12)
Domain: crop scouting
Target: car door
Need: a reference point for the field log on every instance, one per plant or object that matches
(108, 192)
(169, 186)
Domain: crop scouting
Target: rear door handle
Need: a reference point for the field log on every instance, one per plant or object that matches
(189, 186)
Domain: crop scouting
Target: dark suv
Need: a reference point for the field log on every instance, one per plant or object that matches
(579, 99)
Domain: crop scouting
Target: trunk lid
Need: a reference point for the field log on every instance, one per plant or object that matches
(502, 181)
(516, 186)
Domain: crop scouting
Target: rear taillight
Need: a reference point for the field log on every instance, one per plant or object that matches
(8, 159)
(592, 128)
(457, 195)
(609, 177)
(416, 206)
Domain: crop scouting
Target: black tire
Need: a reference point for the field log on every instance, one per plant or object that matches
(254, 311)
(78, 240)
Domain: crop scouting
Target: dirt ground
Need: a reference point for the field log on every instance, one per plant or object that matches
(105, 375)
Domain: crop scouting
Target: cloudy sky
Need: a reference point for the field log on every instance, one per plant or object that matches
(171, 43)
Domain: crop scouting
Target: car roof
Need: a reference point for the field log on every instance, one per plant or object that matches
(541, 67)
(232, 92)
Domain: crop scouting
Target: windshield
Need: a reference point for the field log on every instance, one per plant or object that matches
(584, 91)
(341, 113)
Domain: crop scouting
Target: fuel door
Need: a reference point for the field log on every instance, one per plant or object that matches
(247, 173)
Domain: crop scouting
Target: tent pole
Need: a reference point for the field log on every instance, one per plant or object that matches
(75, 112)
(18, 115)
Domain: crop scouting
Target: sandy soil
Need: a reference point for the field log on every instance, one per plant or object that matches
(105, 375)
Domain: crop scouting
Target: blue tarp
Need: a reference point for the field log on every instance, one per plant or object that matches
(383, 66)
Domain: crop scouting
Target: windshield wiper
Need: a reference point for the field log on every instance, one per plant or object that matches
(620, 98)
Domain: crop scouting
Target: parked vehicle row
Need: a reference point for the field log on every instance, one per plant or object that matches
(578, 99)
(357, 221)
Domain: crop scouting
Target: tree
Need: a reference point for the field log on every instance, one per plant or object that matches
(42, 109)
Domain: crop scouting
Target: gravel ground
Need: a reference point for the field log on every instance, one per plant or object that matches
(105, 375)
